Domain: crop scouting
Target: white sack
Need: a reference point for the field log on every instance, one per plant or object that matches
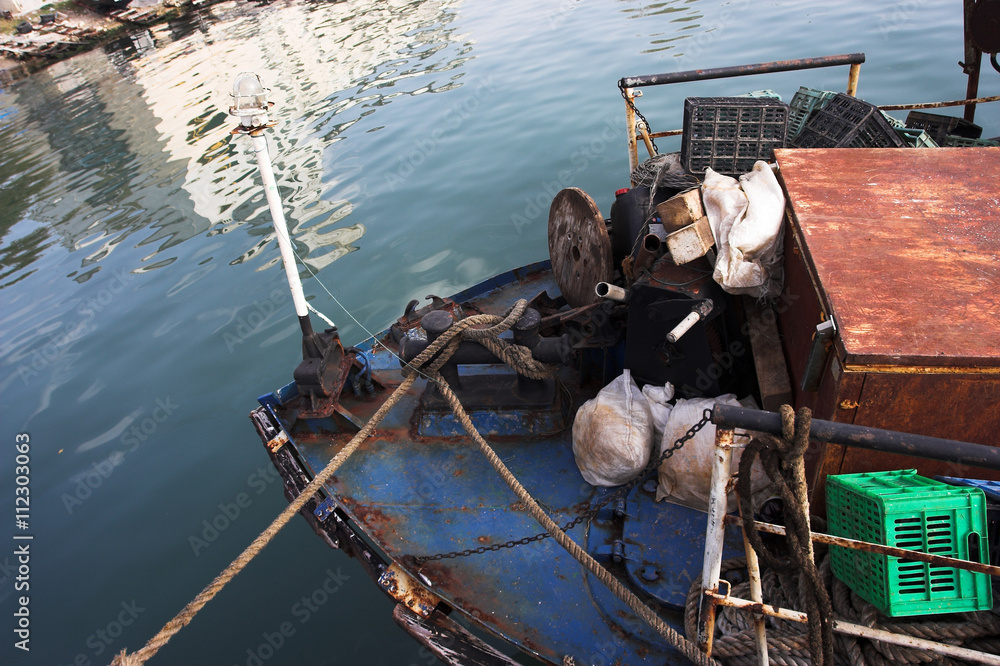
(746, 217)
(659, 398)
(613, 434)
(686, 476)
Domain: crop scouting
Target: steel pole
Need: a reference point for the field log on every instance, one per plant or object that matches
(278, 219)
(715, 534)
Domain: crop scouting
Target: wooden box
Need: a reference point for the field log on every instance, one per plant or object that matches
(901, 249)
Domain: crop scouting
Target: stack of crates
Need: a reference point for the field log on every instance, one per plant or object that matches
(729, 134)
(992, 491)
(916, 138)
(907, 511)
(848, 122)
(952, 141)
(804, 102)
(941, 127)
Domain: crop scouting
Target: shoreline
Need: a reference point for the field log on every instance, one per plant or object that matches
(77, 29)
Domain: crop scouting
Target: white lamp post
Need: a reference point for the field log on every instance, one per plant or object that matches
(320, 373)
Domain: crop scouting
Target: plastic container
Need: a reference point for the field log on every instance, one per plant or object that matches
(846, 121)
(904, 510)
(953, 141)
(804, 102)
(894, 122)
(992, 491)
(729, 134)
(939, 126)
(628, 222)
(768, 93)
(916, 138)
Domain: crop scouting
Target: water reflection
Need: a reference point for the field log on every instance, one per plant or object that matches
(130, 146)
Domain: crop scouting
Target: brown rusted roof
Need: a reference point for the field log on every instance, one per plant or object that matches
(905, 244)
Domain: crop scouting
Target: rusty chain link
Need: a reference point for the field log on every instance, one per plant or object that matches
(588, 515)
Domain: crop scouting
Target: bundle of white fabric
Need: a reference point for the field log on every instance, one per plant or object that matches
(745, 217)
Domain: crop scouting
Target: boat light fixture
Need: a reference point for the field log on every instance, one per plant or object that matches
(250, 100)
(322, 372)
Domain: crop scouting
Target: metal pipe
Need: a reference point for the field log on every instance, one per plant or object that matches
(648, 252)
(278, 219)
(699, 312)
(757, 595)
(852, 629)
(633, 149)
(874, 439)
(852, 79)
(741, 70)
(718, 504)
(973, 59)
(612, 292)
(939, 105)
(915, 555)
(644, 131)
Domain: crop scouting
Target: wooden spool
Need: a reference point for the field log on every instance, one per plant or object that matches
(579, 246)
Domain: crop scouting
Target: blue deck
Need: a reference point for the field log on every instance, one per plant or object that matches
(415, 495)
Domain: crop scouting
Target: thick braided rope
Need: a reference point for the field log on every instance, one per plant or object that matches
(188, 612)
(688, 649)
(184, 617)
(782, 459)
(516, 356)
(788, 645)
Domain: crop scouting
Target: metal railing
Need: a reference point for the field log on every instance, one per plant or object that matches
(628, 85)
(728, 418)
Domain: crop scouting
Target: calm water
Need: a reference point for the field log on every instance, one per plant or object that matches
(142, 307)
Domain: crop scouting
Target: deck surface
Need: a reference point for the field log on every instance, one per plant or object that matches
(905, 244)
(415, 495)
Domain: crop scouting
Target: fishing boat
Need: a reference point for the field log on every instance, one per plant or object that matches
(444, 452)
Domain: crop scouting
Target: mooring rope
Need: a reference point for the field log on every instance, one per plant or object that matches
(788, 642)
(447, 343)
(782, 459)
(184, 617)
(687, 648)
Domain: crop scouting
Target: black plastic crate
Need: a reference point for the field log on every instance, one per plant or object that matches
(846, 121)
(729, 134)
(938, 126)
(992, 491)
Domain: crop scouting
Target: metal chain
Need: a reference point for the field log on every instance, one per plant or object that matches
(588, 515)
(638, 113)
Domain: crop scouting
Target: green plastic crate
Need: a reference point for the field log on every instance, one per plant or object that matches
(896, 123)
(804, 102)
(916, 138)
(952, 141)
(908, 511)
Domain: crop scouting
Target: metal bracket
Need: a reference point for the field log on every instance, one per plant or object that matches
(325, 509)
(822, 341)
(407, 591)
(268, 429)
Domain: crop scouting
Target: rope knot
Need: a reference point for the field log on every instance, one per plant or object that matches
(783, 461)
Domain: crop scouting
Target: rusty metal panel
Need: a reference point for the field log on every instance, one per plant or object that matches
(840, 394)
(904, 243)
(965, 407)
(799, 311)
